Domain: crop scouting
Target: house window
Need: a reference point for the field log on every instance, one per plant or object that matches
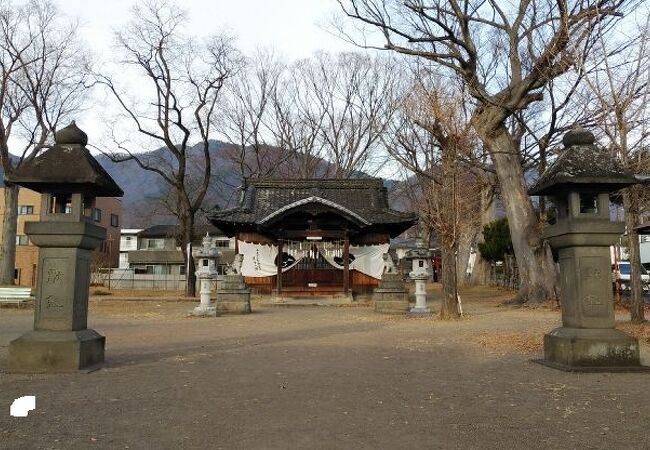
(21, 239)
(181, 269)
(115, 220)
(155, 243)
(25, 209)
(222, 243)
(97, 215)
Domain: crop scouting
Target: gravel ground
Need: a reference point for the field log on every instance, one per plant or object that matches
(321, 378)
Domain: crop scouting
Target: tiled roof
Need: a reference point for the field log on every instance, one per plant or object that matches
(582, 162)
(66, 166)
(165, 231)
(363, 200)
(155, 257)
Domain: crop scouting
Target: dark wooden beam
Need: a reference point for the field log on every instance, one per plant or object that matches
(346, 264)
(279, 273)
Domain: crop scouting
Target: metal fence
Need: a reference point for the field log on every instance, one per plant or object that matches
(128, 279)
(505, 273)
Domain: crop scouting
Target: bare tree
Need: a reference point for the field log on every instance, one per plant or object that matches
(42, 81)
(506, 55)
(351, 96)
(248, 115)
(434, 140)
(181, 81)
(322, 116)
(620, 97)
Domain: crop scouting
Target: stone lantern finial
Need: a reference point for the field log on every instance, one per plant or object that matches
(578, 136)
(71, 135)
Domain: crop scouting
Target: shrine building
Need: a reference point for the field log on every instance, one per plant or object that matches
(331, 234)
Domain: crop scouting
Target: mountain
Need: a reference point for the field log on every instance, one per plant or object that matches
(147, 198)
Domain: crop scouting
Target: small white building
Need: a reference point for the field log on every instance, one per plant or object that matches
(128, 242)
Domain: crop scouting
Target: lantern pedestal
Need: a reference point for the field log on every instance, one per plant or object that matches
(590, 349)
(233, 295)
(205, 308)
(587, 340)
(57, 351)
(420, 294)
(60, 341)
(391, 296)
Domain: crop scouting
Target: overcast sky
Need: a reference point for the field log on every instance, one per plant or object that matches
(293, 28)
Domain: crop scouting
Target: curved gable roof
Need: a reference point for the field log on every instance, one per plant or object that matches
(314, 199)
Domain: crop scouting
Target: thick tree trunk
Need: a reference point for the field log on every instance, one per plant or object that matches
(449, 309)
(481, 270)
(187, 233)
(464, 250)
(9, 229)
(449, 234)
(631, 205)
(536, 271)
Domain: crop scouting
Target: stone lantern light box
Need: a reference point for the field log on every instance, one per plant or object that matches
(579, 183)
(69, 179)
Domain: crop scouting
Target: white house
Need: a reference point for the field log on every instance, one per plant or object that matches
(128, 242)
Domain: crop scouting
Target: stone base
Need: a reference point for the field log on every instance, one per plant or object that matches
(391, 296)
(233, 295)
(391, 301)
(204, 311)
(234, 302)
(590, 349)
(308, 299)
(416, 310)
(57, 351)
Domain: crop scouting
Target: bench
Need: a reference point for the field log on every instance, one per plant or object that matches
(15, 295)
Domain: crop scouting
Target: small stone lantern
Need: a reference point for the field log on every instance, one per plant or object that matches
(69, 179)
(579, 183)
(420, 258)
(207, 256)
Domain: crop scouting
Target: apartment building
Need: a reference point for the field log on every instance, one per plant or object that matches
(107, 213)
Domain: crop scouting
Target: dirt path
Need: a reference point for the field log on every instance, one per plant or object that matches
(321, 378)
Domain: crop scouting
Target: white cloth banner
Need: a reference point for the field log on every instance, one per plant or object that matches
(259, 260)
(369, 259)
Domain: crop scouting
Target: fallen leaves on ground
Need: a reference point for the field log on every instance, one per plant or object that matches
(641, 331)
(507, 342)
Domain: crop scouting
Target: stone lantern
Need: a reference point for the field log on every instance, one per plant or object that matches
(69, 179)
(207, 256)
(579, 183)
(420, 258)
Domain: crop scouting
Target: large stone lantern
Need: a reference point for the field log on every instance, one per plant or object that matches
(207, 256)
(69, 179)
(579, 183)
(420, 258)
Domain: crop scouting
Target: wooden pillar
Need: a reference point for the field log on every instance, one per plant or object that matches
(346, 264)
(278, 285)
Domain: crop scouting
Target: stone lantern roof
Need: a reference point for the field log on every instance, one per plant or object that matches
(421, 251)
(66, 168)
(583, 165)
